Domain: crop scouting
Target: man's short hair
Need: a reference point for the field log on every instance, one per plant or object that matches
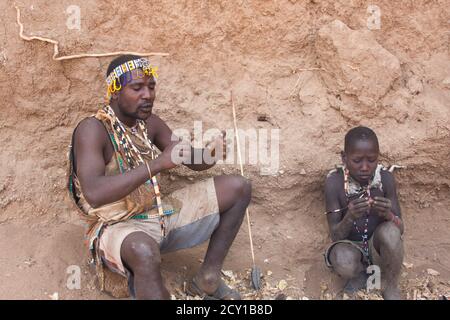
(359, 133)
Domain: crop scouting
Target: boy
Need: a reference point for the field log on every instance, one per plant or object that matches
(364, 216)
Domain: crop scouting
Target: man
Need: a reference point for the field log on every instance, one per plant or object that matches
(364, 216)
(114, 182)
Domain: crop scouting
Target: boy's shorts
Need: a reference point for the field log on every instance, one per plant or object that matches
(370, 258)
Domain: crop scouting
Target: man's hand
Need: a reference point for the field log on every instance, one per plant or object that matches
(218, 145)
(382, 207)
(175, 154)
(358, 207)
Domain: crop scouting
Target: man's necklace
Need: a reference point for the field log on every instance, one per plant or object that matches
(128, 146)
(135, 132)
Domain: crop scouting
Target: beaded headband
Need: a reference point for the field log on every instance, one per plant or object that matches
(113, 79)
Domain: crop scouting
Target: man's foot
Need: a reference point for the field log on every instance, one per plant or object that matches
(221, 291)
(392, 293)
(355, 284)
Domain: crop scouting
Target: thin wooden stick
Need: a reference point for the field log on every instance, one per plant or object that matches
(78, 56)
(242, 174)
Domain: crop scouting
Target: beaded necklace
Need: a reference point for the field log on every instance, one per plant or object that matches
(133, 156)
(364, 191)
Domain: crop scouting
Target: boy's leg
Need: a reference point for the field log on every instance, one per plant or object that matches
(346, 261)
(389, 246)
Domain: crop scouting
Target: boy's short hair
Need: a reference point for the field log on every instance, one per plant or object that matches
(359, 133)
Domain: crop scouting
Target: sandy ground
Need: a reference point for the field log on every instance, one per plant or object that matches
(35, 261)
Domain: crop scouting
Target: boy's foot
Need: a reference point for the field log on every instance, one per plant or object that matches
(355, 284)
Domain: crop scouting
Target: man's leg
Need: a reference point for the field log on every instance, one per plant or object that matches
(389, 245)
(140, 254)
(346, 262)
(233, 195)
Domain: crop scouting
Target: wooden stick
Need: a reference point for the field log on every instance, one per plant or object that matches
(242, 174)
(78, 56)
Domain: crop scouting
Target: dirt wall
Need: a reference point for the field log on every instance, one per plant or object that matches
(260, 50)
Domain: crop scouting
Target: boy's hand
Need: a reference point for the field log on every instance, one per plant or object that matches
(382, 206)
(358, 207)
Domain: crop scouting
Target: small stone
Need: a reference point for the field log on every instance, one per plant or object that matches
(446, 82)
(282, 285)
(408, 265)
(54, 296)
(229, 274)
(303, 172)
(266, 260)
(305, 298)
(269, 273)
(433, 272)
(415, 85)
